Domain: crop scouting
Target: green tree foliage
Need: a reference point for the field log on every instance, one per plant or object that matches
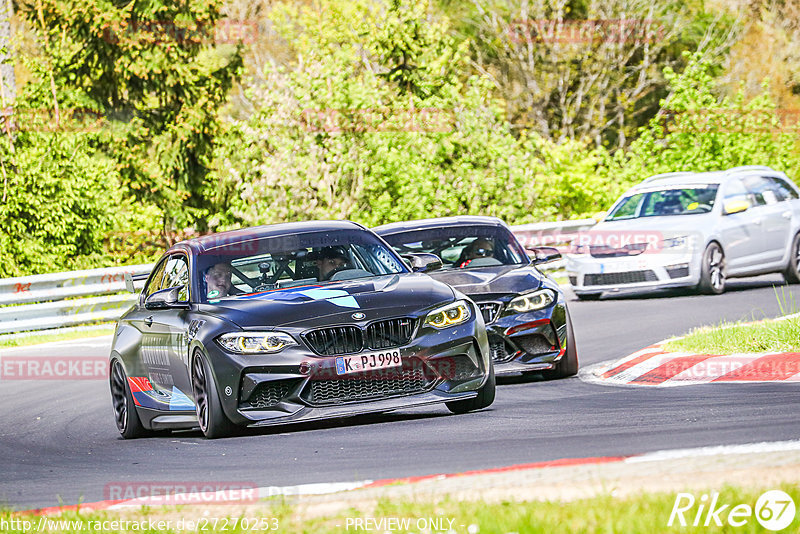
(155, 72)
(374, 123)
(699, 131)
(58, 202)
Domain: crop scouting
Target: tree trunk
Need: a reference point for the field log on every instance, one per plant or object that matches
(8, 85)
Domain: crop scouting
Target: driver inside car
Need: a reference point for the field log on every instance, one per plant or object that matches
(329, 260)
(480, 248)
(218, 280)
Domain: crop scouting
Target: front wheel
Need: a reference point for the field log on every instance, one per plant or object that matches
(712, 273)
(213, 421)
(792, 271)
(128, 422)
(485, 396)
(568, 366)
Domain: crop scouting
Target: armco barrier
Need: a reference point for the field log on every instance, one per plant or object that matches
(57, 286)
(58, 300)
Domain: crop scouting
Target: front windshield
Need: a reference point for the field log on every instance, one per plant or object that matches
(273, 263)
(664, 202)
(462, 247)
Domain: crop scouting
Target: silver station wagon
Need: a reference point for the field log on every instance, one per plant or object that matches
(689, 229)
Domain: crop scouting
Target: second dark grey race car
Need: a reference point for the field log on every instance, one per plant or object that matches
(289, 323)
(525, 312)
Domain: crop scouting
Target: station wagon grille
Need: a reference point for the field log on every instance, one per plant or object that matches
(336, 340)
(628, 277)
(408, 380)
(389, 333)
(489, 310)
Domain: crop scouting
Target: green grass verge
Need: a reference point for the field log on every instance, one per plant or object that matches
(645, 514)
(729, 338)
(35, 339)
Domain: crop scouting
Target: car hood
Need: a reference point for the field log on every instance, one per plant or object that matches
(666, 227)
(491, 280)
(316, 305)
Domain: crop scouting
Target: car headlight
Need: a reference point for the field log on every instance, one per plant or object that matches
(532, 301)
(675, 242)
(255, 342)
(453, 314)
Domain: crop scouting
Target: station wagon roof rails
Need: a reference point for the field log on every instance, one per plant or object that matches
(745, 168)
(665, 175)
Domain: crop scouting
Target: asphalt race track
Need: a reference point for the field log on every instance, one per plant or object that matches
(58, 442)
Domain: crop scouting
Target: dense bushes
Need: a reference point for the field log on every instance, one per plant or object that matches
(374, 110)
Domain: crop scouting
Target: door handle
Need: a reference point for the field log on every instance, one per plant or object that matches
(786, 214)
(149, 321)
(757, 221)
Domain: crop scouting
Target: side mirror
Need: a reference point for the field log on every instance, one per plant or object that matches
(165, 298)
(736, 206)
(423, 262)
(544, 255)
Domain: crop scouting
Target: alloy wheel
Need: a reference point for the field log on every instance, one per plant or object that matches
(119, 398)
(716, 268)
(200, 392)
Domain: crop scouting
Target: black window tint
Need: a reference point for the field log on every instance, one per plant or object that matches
(155, 280)
(177, 274)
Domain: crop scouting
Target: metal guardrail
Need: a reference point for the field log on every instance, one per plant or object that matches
(59, 300)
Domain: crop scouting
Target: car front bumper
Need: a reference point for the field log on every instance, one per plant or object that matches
(298, 385)
(592, 276)
(528, 342)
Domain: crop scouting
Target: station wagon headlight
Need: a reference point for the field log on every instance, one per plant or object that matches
(532, 301)
(450, 315)
(255, 342)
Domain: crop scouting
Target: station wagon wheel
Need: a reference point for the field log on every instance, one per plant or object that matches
(125, 416)
(792, 271)
(712, 274)
(213, 421)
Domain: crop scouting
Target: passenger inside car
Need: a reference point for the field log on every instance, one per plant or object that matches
(329, 261)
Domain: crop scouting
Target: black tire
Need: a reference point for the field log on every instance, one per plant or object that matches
(485, 396)
(568, 365)
(588, 296)
(712, 271)
(792, 271)
(213, 421)
(125, 415)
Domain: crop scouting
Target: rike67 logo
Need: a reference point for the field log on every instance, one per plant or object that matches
(774, 510)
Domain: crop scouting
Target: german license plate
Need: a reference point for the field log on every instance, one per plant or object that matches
(368, 361)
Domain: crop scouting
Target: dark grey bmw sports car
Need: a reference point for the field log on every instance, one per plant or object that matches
(289, 323)
(525, 312)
